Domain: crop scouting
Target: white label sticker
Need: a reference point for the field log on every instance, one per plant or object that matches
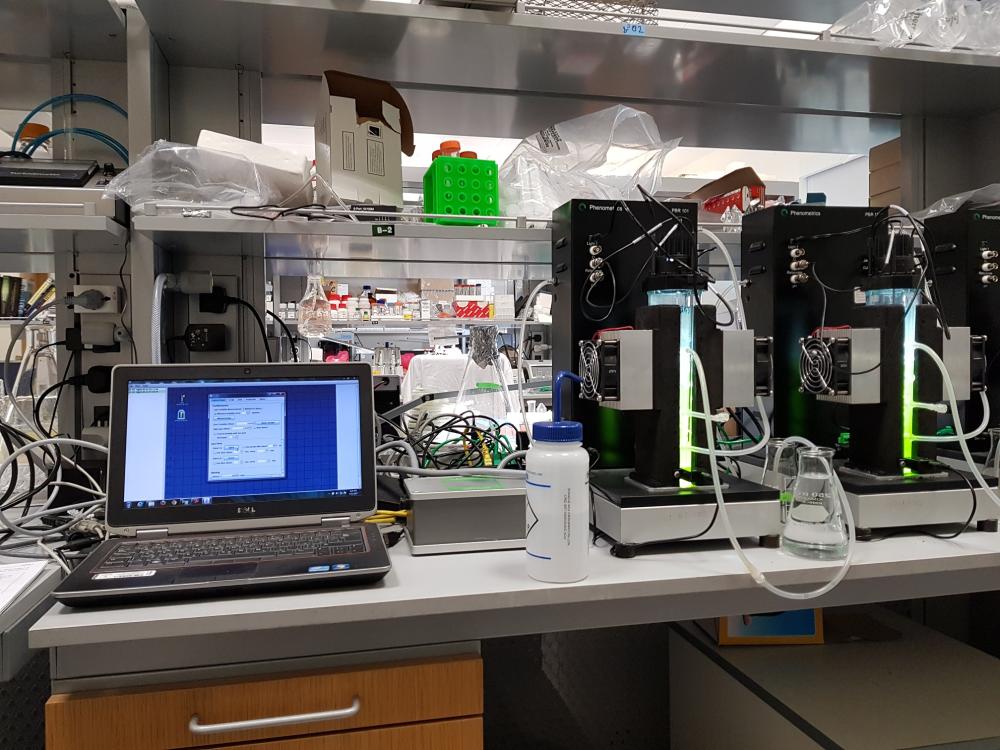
(859, 296)
(550, 142)
(124, 574)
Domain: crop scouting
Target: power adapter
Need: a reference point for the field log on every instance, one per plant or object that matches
(205, 337)
(217, 301)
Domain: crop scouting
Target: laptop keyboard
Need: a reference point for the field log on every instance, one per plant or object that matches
(218, 548)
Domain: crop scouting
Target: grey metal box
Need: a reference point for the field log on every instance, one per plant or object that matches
(635, 368)
(465, 514)
(957, 352)
(738, 368)
(865, 375)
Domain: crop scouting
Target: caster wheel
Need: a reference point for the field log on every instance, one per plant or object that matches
(623, 550)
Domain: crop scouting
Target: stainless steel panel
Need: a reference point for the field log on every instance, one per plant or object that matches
(290, 100)
(23, 84)
(957, 352)
(866, 379)
(644, 525)
(107, 79)
(635, 363)
(534, 54)
(79, 29)
(916, 508)
(737, 368)
(203, 99)
(148, 87)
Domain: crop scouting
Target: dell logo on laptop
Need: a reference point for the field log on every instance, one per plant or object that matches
(242, 509)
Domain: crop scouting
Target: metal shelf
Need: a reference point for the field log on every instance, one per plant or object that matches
(526, 55)
(35, 223)
(79, 29)
(295, 246)
(420, 325)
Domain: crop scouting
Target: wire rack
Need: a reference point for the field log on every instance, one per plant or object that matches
(645, 13)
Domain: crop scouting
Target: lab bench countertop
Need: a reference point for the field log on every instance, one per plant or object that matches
(446, 598)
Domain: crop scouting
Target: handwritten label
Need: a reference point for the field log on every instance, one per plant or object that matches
(633, 29)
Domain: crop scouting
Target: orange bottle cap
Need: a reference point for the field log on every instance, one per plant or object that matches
(450, 147)
(33, 130)
(436, 153)
(469, 155)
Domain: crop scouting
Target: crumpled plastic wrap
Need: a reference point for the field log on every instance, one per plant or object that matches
(168, 171)
(985, 197)
(600, 155)
(940, 24)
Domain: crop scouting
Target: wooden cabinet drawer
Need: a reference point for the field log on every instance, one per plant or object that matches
(457, 734)
(160, 719)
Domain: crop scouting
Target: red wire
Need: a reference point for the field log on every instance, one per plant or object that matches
(816, 331)
(597, 334)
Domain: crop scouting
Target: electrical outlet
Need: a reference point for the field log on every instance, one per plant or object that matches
(111, 302)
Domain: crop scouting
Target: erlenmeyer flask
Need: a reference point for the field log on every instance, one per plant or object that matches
(314, 316)
(993, 457)
(781, 472)
(815, 527)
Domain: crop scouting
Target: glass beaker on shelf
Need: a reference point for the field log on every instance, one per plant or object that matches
(815, 526)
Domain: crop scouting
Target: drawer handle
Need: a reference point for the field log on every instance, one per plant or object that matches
(197, 727)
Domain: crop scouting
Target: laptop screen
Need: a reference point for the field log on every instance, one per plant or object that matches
(222, 442)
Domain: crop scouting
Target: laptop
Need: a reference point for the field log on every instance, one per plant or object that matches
(230, 479)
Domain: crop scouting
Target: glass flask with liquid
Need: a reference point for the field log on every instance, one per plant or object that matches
(815, 527)
(781, 472)
(993, 457)
(314, 314)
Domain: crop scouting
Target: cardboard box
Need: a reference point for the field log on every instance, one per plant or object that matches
(771, 629)
(738, 188)
(892, 197)
(885, 154)
(362, 128)
(885, 179)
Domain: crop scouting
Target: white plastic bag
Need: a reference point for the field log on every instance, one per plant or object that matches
(944, 24)
(188, 174)
(984, 27)
(939, 24)
(602, 155)
(985, 197)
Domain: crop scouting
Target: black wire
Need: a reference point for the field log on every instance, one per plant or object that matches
(715, 514)
(127, 301)
(14, 154)
(260, 322)
(292, 340)
(725, 304)
(58, 387)
(953, 535)
(272, 212)
(34, 366)
(656, 201)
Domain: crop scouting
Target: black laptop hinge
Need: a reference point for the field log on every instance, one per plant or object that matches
(150, 533)
(335, 521)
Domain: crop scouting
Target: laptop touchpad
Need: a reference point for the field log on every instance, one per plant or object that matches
(216, 572)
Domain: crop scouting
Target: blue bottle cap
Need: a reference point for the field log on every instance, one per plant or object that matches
(557, 432)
